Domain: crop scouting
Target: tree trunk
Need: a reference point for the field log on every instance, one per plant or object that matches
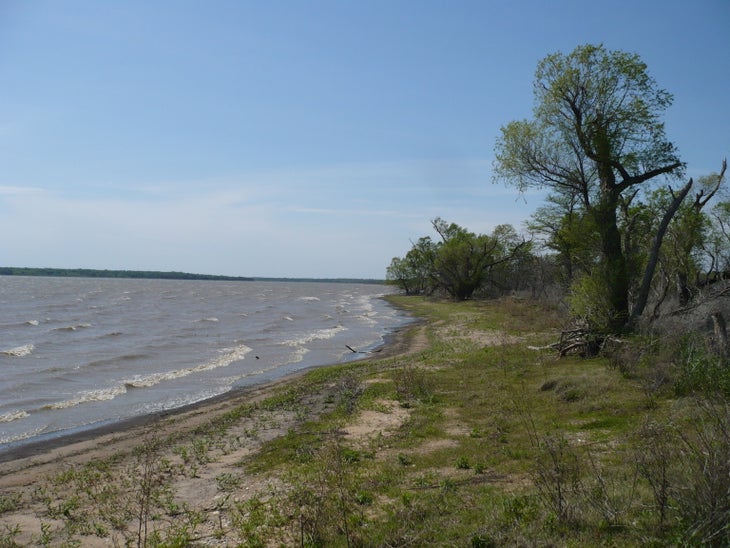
(643, 295)
(720, 332)
(682, 288)
(615, 269)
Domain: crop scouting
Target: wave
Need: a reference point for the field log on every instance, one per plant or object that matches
(19, 351)
(72, 327)
(32, 322)
(309, 299)
(20, 437)
(369, 318)
(318, 335)
(211, 319)
(103, 394)
(109, 393)
(13, 416)
(299, 354)
(232, 355)
(116, 359)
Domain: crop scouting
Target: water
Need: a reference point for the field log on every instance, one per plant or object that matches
(79, 352)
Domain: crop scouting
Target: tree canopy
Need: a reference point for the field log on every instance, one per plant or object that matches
(596, 140)
(460, 264)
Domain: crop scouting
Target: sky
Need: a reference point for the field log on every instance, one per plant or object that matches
(292, 138)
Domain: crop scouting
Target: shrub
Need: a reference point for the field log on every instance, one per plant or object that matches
(700, 370)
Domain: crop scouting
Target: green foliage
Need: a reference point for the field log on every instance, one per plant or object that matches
(590, 304)
(414, 273)
(461, 263)
(596, 140)
(700, 369)
(9, 502)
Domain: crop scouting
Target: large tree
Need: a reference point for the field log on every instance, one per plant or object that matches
(596, 135)
(461, 263)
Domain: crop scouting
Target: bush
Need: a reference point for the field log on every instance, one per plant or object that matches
(589, 303)
(700, 369)
(703, 498)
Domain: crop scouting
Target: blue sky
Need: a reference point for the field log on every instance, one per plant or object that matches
(300, 138)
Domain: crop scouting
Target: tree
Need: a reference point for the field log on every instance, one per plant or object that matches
(597, 135)
(568, 232)
(460, 264)
(414, 272)
(462, 260)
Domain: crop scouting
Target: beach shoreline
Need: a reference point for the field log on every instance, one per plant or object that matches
(118, 436)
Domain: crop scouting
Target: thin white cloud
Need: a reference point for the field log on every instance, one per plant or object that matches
(278, 223)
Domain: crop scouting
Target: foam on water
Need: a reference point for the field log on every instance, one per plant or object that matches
(13, 416)
(227, 358)
(19, 351)
(320, 334)
(21, 436)
(103, 394)
(72, 327)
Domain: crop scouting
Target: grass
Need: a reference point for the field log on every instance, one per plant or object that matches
(478, 440)
(503, 445)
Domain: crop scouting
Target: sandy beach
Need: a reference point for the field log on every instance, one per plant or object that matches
(31, 468)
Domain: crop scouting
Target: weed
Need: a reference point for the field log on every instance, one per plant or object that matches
(200, 450)
(656, 453)
(227, 482)
(9, 502)
(704, 498)
(412, 384)
(556, 474)
(329, 509)
(255, 521)
(609, 493)
(701, 370)
(348, 393)
(8, 536)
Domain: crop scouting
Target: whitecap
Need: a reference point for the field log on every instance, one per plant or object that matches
(23, 436)
(13, 416)
(19, 351)
(211, 319)
(309, 299)
(227, 357)
(32, 322)
(73, 327)
(299, 354)
(103, 394)
(318, 335)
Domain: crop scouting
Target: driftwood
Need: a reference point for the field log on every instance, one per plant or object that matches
(580, 341)
(583, 342)
(351, 349)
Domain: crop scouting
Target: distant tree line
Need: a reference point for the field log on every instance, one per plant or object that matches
(91, 273)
